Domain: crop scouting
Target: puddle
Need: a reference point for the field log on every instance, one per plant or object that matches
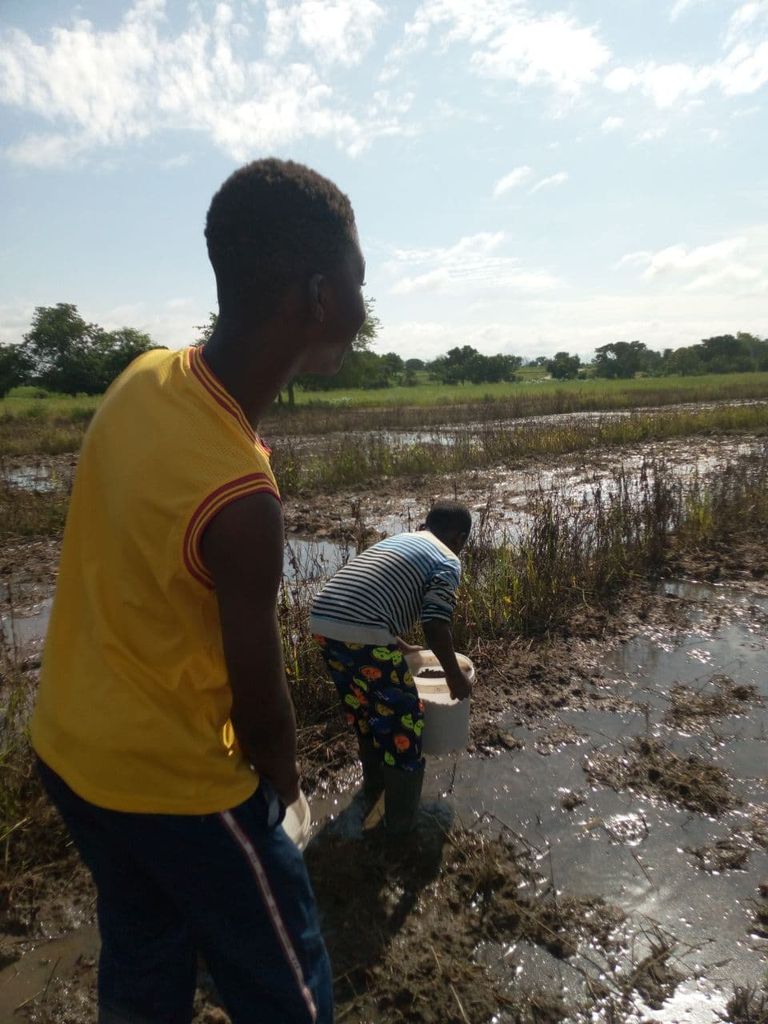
(510, 491)
(31, 976)
(25, 632)
(628, 848)
(631, 849)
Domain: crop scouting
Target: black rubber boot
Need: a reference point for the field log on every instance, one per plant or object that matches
(402, 792)
(373, 776)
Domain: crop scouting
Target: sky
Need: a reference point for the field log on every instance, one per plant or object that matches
(528, 176)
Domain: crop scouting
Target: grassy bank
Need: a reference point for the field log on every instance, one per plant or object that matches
(538, 397)
(54, 424)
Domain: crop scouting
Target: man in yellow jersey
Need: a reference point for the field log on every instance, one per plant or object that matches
(164, 635)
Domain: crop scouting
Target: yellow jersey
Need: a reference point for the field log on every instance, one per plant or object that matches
(134, 699)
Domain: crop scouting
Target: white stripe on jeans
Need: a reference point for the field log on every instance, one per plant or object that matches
(247, 847)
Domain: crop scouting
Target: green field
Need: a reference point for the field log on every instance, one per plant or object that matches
(607, 393)
(531, 392)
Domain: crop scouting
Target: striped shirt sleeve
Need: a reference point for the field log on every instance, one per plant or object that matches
(439, 597)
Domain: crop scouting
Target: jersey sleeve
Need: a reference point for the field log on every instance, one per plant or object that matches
(258, 482)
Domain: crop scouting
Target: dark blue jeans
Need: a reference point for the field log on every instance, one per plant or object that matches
(231, 886)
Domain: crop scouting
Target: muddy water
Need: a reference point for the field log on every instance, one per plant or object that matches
(626, 847)
(451, 433)
(308, 560)
(30, 978)
(509, 490)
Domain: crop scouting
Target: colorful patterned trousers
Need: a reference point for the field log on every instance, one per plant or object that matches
(379, 698)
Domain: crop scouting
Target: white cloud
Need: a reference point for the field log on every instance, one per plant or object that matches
(512, 180)
(680, 6)
(470, 266)
(508, 40)
(652, 134)
(745, 20)
(665, 84)
(733, 265)
(741, 71)
(334, 31)
(546, 326)
(105, 88)
(553, 181)
(612, 124)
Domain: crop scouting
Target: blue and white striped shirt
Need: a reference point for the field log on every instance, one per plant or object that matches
(383, 592)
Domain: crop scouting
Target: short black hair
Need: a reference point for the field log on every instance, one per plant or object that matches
(449, 517)
(271, 223)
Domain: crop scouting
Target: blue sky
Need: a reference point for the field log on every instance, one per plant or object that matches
(528, 175)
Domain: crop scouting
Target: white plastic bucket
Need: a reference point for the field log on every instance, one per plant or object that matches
(297, 821)
(446, 721)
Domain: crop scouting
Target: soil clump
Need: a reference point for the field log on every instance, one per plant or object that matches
(648, 767)
(691, 708)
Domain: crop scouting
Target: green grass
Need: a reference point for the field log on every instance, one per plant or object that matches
(533, 395)
(25, 401)
(595, 393)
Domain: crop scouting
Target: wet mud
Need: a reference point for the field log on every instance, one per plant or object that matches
(598, 853)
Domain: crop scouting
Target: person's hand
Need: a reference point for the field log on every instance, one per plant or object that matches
(459, 685)
(288, 787)
(408, 648)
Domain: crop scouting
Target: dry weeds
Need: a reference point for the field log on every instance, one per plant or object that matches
(728, 698)
(747, 1006)
(647, 766)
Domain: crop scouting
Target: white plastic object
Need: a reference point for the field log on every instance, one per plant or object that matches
(297, 821)
(446, 721)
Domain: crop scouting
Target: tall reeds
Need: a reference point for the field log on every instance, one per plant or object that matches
(348, 461)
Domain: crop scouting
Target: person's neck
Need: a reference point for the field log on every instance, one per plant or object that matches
(251, 365)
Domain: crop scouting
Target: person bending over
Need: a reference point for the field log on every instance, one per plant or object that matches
(358, 619)
(164, 640)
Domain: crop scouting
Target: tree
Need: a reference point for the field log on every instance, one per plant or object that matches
(370, 329)
(622, 359)
(14, 368)
(727, 354)
(415, 364)
(564, 366)
(119, 348)
(684, 361)
(466, 363)
(67, 354)
(394, 367)
(204, 331)
(492, 369)
(454, 366)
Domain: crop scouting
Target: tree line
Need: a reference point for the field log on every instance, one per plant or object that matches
(63, 353)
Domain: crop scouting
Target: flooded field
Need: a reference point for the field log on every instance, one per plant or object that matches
(668, 865)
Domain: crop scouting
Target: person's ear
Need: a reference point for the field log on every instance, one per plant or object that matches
(317, 296)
